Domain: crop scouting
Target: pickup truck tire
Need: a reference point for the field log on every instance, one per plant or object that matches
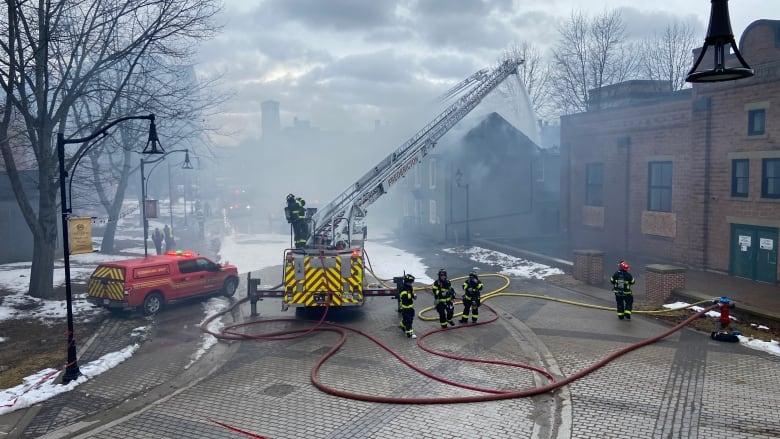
(153, 303)
(231, 284)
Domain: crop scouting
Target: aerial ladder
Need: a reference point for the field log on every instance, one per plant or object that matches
(329, 269)
(340, 223)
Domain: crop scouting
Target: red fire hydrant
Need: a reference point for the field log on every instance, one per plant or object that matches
(724, 304)
(725, 319)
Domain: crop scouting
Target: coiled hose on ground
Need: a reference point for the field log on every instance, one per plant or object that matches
(232, 332)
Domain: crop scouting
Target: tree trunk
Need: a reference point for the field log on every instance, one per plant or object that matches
(45, 231)
(107, 246)
(42, 271)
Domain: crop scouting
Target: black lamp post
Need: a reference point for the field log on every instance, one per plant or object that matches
(144, 181)
(152, 147)
(458, 178)
(719, 34)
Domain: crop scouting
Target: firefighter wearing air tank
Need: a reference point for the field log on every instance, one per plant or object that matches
(443, 295)
(296, 215)
(621, 285)
(472, 290)
(406, 299)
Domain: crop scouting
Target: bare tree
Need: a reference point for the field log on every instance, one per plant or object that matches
(590, 54)
(533, 74)
(667, 57)
(51, 50)
(171, 92)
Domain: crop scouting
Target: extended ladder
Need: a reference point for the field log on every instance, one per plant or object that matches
(336, 222)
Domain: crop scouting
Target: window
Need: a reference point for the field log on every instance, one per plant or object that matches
(432, 214)
(432, 174)
(740, 173)
(188, 266)
(770, 180)
(756, 120)
(594, 184)
(659, 186)
(417, 177)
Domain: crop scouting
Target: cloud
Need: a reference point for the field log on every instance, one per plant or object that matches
(643, 24)
(341, 15)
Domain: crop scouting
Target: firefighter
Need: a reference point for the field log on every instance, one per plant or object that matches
(296, 215)
(472, 290)
(444, 294)
(406, 298)
(621, 285)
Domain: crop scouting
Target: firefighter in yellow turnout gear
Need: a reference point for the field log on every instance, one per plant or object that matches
(406, 299)
(472, 290)
(444, 294)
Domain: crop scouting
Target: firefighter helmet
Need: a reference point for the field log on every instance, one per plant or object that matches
(443, 272)
(473, 275)
(290, 197)
(623, 265)
(409, 278)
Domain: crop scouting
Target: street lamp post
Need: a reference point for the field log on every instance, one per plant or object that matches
(458, 177)
(144, 181)
(72, 371)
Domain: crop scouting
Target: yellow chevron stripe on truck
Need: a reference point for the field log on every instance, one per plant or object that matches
(320, 282)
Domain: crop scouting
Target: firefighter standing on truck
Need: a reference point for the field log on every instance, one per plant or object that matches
(621, 285)
(296, 215)
(444, 294)
(472, 290)
(406, 299)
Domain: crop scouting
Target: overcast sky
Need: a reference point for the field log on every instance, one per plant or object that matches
(342, 64)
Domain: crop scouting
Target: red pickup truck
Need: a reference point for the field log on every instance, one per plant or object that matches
(151, 282)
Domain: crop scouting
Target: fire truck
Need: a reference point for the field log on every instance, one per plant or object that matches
(329, 269)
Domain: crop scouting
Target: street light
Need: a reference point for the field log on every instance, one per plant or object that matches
(152, 147)
(144, 181)
(719, 34)
(458, 177)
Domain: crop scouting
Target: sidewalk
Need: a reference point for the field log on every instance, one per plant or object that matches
(756, 300)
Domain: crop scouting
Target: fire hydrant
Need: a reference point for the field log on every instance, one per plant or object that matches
(724, 305)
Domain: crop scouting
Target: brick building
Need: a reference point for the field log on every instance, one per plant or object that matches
(690, 177)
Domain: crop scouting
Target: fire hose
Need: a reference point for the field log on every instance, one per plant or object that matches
(232, 332)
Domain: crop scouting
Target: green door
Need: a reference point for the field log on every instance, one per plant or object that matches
(766, 258)
(754, 252)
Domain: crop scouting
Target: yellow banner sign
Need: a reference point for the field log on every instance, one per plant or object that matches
(80, 230)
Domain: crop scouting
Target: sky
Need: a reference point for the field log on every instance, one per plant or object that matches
(344, 64)
(250, 252)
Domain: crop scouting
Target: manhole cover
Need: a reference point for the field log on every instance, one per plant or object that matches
(280, 390)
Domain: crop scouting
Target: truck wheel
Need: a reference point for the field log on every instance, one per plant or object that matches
(231, 284)
(153, 303)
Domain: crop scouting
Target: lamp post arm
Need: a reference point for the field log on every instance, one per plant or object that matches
(156, 163)
(105, 129)
(61, 140)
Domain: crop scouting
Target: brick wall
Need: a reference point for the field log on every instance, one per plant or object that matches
(589, 266)
(701, 131)
(660, 280)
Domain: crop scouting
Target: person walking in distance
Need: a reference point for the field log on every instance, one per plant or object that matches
(406, 298)
(621, 285)
(472, 290)
(157, 238)
(170, 244)
(444, 294)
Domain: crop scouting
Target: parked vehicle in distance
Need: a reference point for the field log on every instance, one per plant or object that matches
(150, 283)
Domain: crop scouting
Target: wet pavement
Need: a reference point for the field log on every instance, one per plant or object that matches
(685, 385)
